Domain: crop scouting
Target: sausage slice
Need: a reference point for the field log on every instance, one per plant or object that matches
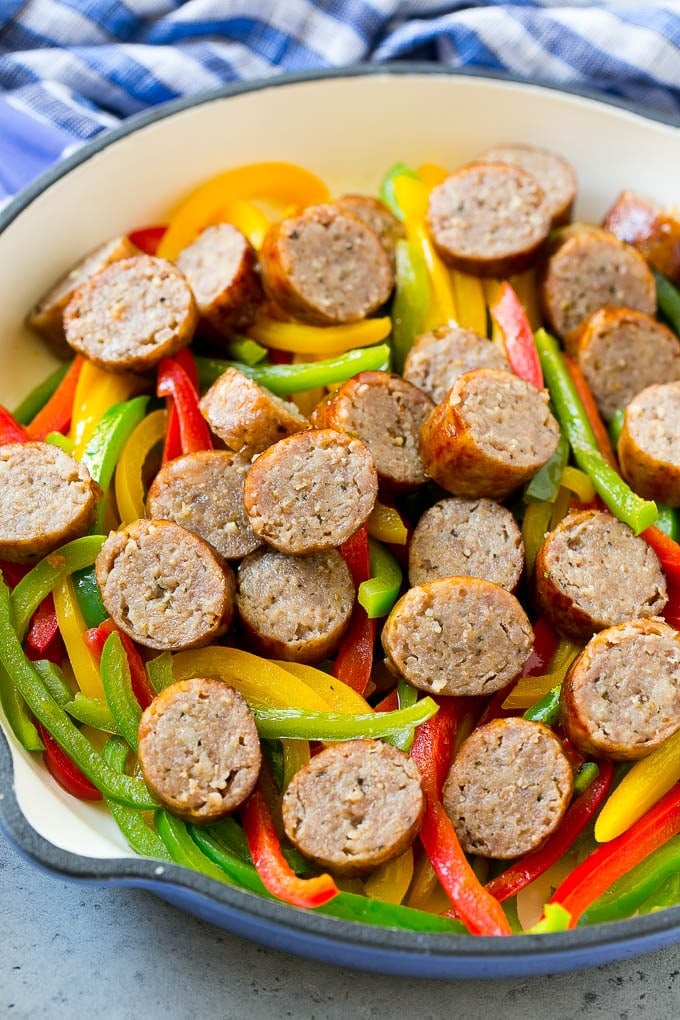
(553, 172)
(355, 806)
(654, 232)
(199, 750)
(436, 359)
(508, 788)
(377, 216)
(649, 445)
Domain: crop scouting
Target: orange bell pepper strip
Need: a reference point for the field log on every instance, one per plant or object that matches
(56, 415)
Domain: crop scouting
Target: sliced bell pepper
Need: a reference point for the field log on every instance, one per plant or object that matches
(147, 239)
(545, 484)
(129, 479)
(104, 446)
(590, 407)
(92, 712)
(339, 696)
(10, 429)
(173, 381)
(668, 299)
(390, 881)
(96, 391)
(62, 769)
(43, 640)
(96, 639)
(411, 299)
(140, 836)
(386, 189)
(354, 660)
(18, 715)
(298, 724)
(667, 550)
(531, 688)
(469, 300)
(627, 895)
(182, 849)
(55, 415)
(524, 286)
(380, 591)
(117, 684)
(72, 629)
(517, 336)
(89, 597)
(26, 411)
(329, 340)
(55, 681)
(386, 524)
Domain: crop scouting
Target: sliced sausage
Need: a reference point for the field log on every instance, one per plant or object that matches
(457, 635)
(553, 172)
(204, 493)
(386, 412)
(488, 219)
(472, 537)
(620, 351)
(436, 359)
(621, 697)
(165, 586)
(377, 216)
(310, 491)
(654, 232)
(199, 750)
(246, 416)
(491, 433)
(47, 317)
(508, 788)
(222, 270)
(325, 266)
(576, 565)
(295, 607)
(356, 805)
(649, 445)
(46, 499)
(131, 314)
(591, 269)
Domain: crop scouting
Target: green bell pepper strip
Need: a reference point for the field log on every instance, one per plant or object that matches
(411, 300)
(619, 498)
(140, 836)
(668, 520)
(379, 593)
(17, 713)
(386, 189)
(183, 850)
(92, 712)
(667, 895)
(39, 582)
(307, 375)
(38, 397)
(106, 443)
(545, 484)
(89, 597)
(55, 681)
(291, 723)
(64, 443)
(555, 918)
(117, 684)
(547, 710)
(243, 348)
(159, 671)
(30, 686)
(587, 774)
(407, 696)
(668, 300)
(233, 838)
(615, 426)
(630, 891)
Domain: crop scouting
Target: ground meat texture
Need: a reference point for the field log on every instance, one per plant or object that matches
(621, 351)
(311, 491)
(324, 266)
(655, 233)
(356, 805)
(131, 314)
(472, 537)
(204, 493)
(294, 607)
(165, 586)
(491, 434)
(621, 697)
(554, 173)
(457, 635)
(649, 445)
(47, 317)
(222, 269)
(436, 359)
(576, 565)
(508, 788)
(386, 412)
(377, 216)
(247, 417)
(199, 750)
(488, 219)
(591, 269)
(46, 499)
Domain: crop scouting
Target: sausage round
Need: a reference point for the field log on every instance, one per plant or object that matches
(386, 412)
(591, 269)
(199, 750)
(488, 219)
(649, 444)
(46, 499)
(655, 233)
(356, 805)
(246, 416)
(164, 586)
(131, 314)
(324, 266)
(436, 359)
(621, 351)
(457, 635)
(471, 537)
(491, 434)
(575, 567)
(377, 216)
(295, 607)
(508, 788)
(621, 697)
(310, 491)
(204, 493)
(553, 172)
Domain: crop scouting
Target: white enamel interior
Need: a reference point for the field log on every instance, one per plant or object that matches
(347, 130)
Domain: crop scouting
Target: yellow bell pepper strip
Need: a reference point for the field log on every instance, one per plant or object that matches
(386, 190)
(97, 391)
(423, 883)
(104, 446)
(72, 629)
(524, 285)
(92, 712)
(535, 525)
(128, 479)
(432, 174)
(529, 689)
(278, 183)
(302, 339)
(390, 881)
(647, 781)
(386, 524)
(339, 696)
(297, 724)
(160, 672)
(46, 710)
(470, 301)
(34, 401)
(517, 336)
(55, 415)
(560, 508)
(140, 836)
(579, 483)
(378, 594)
(411, 300)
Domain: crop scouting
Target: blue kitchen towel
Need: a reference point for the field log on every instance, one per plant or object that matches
(72, 68)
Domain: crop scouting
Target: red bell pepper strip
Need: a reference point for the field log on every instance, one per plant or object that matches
(667, 550)
(579, 813)
(518, 338)
(545, 643)
(147, 239)
(590, 407)
(613, 859)
(63, 770)
(13, 572)
(95, 639)
(390, 703)
(354, 661)
(43, 640)
(10, 429)
(276, 874)
(356, 555)
(56, 415)
(174, 381)
(671, 612)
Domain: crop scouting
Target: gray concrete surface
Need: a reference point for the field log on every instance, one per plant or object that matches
(71, 951)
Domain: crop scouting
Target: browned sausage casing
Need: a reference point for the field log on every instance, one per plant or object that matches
(655, 233)
(649, 445)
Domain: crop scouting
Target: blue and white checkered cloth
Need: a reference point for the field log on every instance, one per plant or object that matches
(72, 68)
